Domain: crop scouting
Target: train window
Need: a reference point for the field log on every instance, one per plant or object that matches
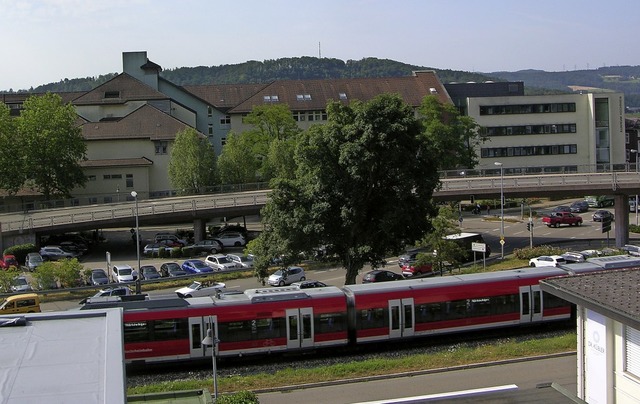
(408, 319)
(136, 332)
(479, 307)
(195, 331)
(293, 327)
(373, 318)
(551, 301)
(505, 304)
(164, 330)
(263, 328)
(329, 322)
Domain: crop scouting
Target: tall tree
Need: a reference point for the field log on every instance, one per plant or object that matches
(455, 136)
(12, 158)
(362, 188)
(51, 146)
(193, 161)
(237, 163)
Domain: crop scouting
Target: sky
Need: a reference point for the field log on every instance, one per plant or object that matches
(45, 41)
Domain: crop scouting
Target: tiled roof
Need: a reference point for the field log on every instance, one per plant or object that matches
(119, 90)
(315, 94)
(19, 98)
(146, 122)
(102, 163)
(225, 96)
(613, 293)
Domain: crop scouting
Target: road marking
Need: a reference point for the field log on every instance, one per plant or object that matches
(452, 394)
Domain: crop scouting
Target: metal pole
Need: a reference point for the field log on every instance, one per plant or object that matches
(501, 208)
(531, 233)
(213, 359)
(138, 286)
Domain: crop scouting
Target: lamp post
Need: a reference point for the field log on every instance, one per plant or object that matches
(499, 164)
(637, 152)
(212, 341)
(118, 192)
(135, 198)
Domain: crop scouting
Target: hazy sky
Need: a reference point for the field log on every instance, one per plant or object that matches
(45, 41)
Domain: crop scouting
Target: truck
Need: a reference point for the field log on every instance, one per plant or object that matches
(556, 219)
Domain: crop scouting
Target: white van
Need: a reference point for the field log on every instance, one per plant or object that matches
(122, 273)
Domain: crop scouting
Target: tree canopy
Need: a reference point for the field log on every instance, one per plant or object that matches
(362, 187)
(193, 161)
(42, 148)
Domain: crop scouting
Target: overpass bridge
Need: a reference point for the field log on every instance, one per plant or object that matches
(24, 227)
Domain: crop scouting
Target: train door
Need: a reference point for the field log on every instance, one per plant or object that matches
(300, 328)
(198, 327)
(530, 304)
(401, 318)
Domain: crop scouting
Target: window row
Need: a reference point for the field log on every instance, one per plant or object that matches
(487, 152)
(310, 116)
(528, 108)
(530, 129)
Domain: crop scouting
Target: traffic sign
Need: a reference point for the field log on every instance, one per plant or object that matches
(502, 242)
(479, 247)
(606, 225)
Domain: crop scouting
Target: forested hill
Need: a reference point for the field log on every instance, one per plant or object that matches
(624, 79)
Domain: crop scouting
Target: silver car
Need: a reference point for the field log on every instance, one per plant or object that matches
(286, 276)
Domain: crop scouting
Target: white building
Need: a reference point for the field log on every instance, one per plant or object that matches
(608, 316)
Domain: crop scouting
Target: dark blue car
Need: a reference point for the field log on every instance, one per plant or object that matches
(196, 267)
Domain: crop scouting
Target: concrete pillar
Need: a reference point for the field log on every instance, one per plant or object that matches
(621, 214)
(200, 229)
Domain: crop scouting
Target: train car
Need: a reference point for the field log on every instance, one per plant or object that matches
(258, 321)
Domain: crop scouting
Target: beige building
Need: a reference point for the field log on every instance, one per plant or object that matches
(568, 131)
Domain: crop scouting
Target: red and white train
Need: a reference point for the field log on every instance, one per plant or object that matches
(271, 320)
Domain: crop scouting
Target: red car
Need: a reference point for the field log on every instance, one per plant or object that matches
(413, 269)
(9, 261)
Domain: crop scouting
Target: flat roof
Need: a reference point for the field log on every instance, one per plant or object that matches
(65, 357)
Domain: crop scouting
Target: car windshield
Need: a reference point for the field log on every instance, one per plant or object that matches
(99, 275)
(124, 271)
(36, 258)
(223, 260)
(20, 282)
(148, 270)
(246, 259)
(195, 285)
(199, 264)
(175, 270)
(279, 272)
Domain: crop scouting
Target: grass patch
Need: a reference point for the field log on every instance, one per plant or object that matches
(456, 356)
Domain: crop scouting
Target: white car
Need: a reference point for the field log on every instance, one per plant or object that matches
(547, 261)
(243, 261)
(200, 289)
(231, 239)
(286, 276)
(123, 273)
(220, 262)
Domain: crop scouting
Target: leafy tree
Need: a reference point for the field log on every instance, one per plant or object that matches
(11, 154)
(6, 279)
(454, 136)
(362, 187)
(193, 161)
(68, 272)
(45, 274)
(441, 250)
(237, 163)
(51, 146)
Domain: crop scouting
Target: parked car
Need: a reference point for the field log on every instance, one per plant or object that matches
(236, 228)
(632, 204)
(9, 261)
(286, 276)
(412, 268)
(171, 269)
(165, 237)
(220, 262)
(153, 248)
(208, 246)
(380, 275)
(602, 215)
(22, 303)
(20, 284)
(547, 261)
(308, 284)
(579, 206)
(573, 256)
(99, 277)
(631, 250)
(33, 260)
(74, 247)
(410, 256)
(148, 272)
(244, 261)
(200, 289)
(231, 239)
(195, 267)
(115, 291)
(55, 253)
(122, 273)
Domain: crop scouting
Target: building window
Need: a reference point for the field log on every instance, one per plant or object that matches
(209, 111)
(129, 181)
(524, 151)
(299, 97)
(527, 108)
(210, 129)
(112, 94)
(632, 351)
(270, 98)
(223, 141)
(299, 116)
(343, 96)
(226, 120)
(91, 177)
(108, 199)
(531, 129)
(161, 146)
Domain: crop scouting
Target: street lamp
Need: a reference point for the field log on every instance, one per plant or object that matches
(637, 152)
(499, 164)
(135, 198)
(212, 341)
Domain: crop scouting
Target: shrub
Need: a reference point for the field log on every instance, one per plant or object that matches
(241, 397)
(176, 252)
(21, 251)
(187, 251)
(634, 228)
(528, 253)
